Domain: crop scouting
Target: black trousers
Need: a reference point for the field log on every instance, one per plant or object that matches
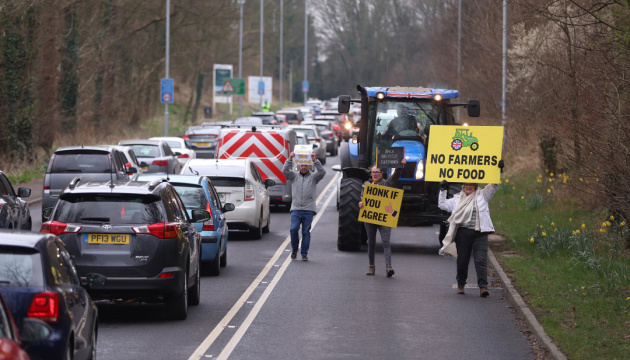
(473, 242)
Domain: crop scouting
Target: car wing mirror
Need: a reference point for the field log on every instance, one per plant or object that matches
(199, 215)
(95, 280)
(34, 330)
(269, 183)
(47, 213)
(144, 164)
(132, 170)
(24, 192)
(228, 207)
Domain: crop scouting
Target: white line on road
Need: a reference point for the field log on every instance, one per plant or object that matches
(211, 338)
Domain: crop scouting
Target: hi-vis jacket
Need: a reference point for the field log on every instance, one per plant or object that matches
(303, 186)
(483, 198)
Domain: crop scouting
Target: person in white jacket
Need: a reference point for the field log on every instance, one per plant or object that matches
(469, 226)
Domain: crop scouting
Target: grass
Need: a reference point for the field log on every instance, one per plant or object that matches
(569, 264)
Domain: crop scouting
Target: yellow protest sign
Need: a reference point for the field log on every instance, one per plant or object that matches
(464, 154)
(303, 154)
(381, 205)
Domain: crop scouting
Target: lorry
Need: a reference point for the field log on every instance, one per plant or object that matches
(427, 106)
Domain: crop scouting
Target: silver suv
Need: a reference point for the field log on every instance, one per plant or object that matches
(92, 163)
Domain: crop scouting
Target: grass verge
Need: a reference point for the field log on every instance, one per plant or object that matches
(570, 265)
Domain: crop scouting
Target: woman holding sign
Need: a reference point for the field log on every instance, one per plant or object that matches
(469, 226)
(377, 179)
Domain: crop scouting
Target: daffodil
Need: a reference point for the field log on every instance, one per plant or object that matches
(583, 226)
(612, 218)
(570, 219)
(507, 181)
(551, 174)
(531, 239)
(623, 223)
(548, 191)
(544, 233)
(607, 223)
(522, 197)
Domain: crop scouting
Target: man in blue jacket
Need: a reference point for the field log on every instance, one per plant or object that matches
(304, 186)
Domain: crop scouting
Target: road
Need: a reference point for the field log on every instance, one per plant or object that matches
(265, 306)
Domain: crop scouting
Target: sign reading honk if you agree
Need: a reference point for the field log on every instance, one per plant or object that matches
(381, 205)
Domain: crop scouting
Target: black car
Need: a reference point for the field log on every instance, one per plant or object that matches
(99, 162)
(39, 281)
(131, 240)
(14, 212)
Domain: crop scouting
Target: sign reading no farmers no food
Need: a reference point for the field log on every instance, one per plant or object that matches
(465, 154)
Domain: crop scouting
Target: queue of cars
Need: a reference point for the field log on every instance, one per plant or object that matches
(138, 221)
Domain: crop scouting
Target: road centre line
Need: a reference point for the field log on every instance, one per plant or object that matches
(214, 334)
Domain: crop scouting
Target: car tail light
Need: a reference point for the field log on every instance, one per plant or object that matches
(315, 139)
(184, 156)
(249, 191)
(186, 137)
(162, 230)
(58, 228)
(208, 225)
(44, 306)
(166, 275)
(160, 162)
(46, 187)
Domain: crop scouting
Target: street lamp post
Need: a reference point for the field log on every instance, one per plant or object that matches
(305, 45)
(261, 50)
(168, 30)
(281, 21)
(240, 57)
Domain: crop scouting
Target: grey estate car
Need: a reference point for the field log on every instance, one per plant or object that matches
(99, 162)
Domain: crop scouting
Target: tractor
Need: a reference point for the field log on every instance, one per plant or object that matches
(428, 106)
(462, 139)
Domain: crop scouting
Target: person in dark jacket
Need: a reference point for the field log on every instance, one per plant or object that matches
(377, 179)
(304, 186)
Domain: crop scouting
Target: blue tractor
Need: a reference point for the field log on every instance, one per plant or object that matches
(394, 117)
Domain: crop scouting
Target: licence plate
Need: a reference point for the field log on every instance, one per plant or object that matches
(202, 144)
(116, 239)
(145, 168)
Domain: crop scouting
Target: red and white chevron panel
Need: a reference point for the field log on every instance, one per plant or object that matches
(268, 150)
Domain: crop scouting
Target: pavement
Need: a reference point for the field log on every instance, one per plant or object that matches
(36, 186)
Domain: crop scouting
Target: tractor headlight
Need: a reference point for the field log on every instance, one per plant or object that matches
(419, 170)
(380, 96)
(437, 97)
(348, 125)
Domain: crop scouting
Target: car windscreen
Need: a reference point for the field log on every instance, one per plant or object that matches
(81, 162)
(174, 144)
(227, 181)
(144, 150)
(291, 116)
(193, 196)
(20, 267)
(308, 132)
(109, 208)
(209, 170)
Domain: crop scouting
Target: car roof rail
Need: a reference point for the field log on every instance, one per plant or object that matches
(156, 182)
(74, 182)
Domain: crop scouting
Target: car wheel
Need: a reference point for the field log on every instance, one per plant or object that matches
(256, 232)
(223, 259)
(177, 306)
(266, 228)
(214, 268)
(195, 292)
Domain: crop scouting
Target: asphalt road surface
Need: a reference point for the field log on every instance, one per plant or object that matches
(265, 306)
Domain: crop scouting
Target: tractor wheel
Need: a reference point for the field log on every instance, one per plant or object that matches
(474, 146)
(350, 229)
(456, 144)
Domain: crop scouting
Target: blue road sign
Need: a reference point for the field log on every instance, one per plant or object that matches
(305, 86)
(166, 91)
(261, 88)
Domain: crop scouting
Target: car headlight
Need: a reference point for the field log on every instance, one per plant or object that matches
(419, 170)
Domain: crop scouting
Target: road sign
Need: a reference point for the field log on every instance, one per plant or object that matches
(227, 87)
(305, 86)
(261, 88)
(166, 91)
(239, 85)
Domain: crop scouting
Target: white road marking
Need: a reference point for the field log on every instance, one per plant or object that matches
(214, 334)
